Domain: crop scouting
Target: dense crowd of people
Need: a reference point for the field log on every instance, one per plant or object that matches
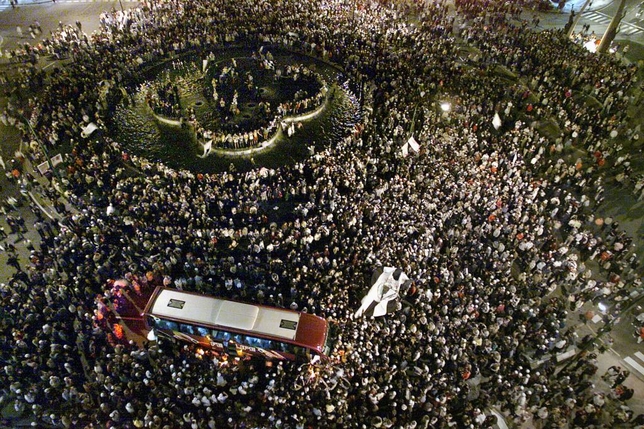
(492, 221)
(236, 86)
(233, 87)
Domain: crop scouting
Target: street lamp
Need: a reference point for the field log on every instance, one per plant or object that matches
(602, 307)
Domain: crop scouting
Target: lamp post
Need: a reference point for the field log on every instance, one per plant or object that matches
(445, 108)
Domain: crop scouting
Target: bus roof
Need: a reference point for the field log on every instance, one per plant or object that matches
(313, 331)
(203, 309)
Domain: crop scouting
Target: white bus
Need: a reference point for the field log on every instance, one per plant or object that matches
(236, 328)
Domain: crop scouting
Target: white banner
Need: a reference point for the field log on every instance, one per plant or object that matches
(58, 159)
(207, 147)
(383, 292)
(89, 129)
(496, 121)
(44, 166)
(405, 150)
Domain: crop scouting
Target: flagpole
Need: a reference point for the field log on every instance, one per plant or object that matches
(413, 121)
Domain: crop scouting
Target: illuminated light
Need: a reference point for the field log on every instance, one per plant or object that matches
(118, 331)
(591, 46)
(446, 106)
(151, 336)
(602, 307)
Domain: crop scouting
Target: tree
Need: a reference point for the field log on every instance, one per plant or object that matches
(612, 29)
(571, 28)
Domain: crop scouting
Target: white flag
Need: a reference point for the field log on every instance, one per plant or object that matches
(405, 150)
(496, 121)
(207, 147)
(381, 298)
(413, 144)
(89, 129)
(204, 65)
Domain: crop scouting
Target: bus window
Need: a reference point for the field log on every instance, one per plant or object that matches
(328, 342)
(202, 331)
(222, 336)
(290, 348)
(255, 342)
(286, 347)
(300, 351)
(151, 321)
(231, 348)
(312, 332)
(267, 344)
(166, 324)
(275, 345)
(187, 329)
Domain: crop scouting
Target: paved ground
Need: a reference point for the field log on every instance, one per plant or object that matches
(577, 5)
(6, 4)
